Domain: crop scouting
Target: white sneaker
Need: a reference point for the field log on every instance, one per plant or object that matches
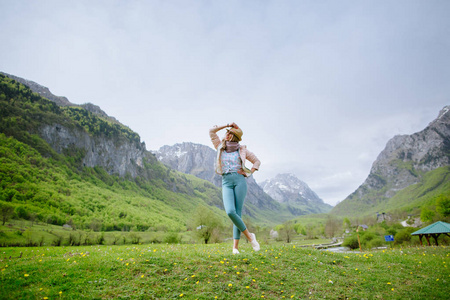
(235, 251)
(255, 243)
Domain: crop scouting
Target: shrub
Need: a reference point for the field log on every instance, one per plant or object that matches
(156, 240)
(57, 241)
(135, 238)
(351, 242)
(172, 238)
(100, 239)
(87, 239)
(72, 240)
(216, 236)
(376, 242)
(22, 212)
(404, 235)
(116, 238)
(366, 237)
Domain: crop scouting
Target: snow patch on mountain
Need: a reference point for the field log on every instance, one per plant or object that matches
(287, 188)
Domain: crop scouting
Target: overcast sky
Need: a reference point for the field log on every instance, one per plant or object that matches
(318, 87)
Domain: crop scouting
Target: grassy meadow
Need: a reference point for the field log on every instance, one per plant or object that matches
(189, 271)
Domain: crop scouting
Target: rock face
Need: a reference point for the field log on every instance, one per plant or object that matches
(403, 162)
(189, 158)
(288, 189)
(116, 157)
(399, 165)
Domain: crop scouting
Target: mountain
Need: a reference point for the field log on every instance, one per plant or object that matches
(59, 100)
(40, 90)
(199, 160)
(62, 163)
(288, 189)
(407, 173)
(102, 140)
(190, 158)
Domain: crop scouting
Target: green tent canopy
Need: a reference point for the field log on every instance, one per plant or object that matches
(434, 230)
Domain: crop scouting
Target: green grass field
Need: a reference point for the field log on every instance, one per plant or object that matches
(20, 233)
(189, 271)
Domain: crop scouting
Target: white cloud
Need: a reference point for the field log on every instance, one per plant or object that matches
(318, 87)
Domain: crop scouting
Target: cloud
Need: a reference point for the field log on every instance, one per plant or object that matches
(318, 87)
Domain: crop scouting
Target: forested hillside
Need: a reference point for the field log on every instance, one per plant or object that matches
(40, 183)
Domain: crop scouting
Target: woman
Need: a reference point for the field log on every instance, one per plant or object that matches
(230, 164)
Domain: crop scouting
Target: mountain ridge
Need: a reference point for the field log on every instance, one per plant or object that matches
(404, 162)
(287, 188)
(60, 100)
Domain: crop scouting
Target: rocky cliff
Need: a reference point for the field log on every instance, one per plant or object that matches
(404, 162)
(190, 158)
(110, 145)
(124, 157)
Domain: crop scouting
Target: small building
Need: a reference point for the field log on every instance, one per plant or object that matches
(364, 227)
(434, 230)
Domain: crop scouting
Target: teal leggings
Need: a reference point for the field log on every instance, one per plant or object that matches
(234, 190)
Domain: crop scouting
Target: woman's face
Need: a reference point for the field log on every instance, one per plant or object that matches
(228, 136)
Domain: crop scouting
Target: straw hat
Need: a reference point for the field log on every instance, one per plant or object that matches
(237, 132)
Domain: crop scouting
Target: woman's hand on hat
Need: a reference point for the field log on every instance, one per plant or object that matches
(234, 125)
